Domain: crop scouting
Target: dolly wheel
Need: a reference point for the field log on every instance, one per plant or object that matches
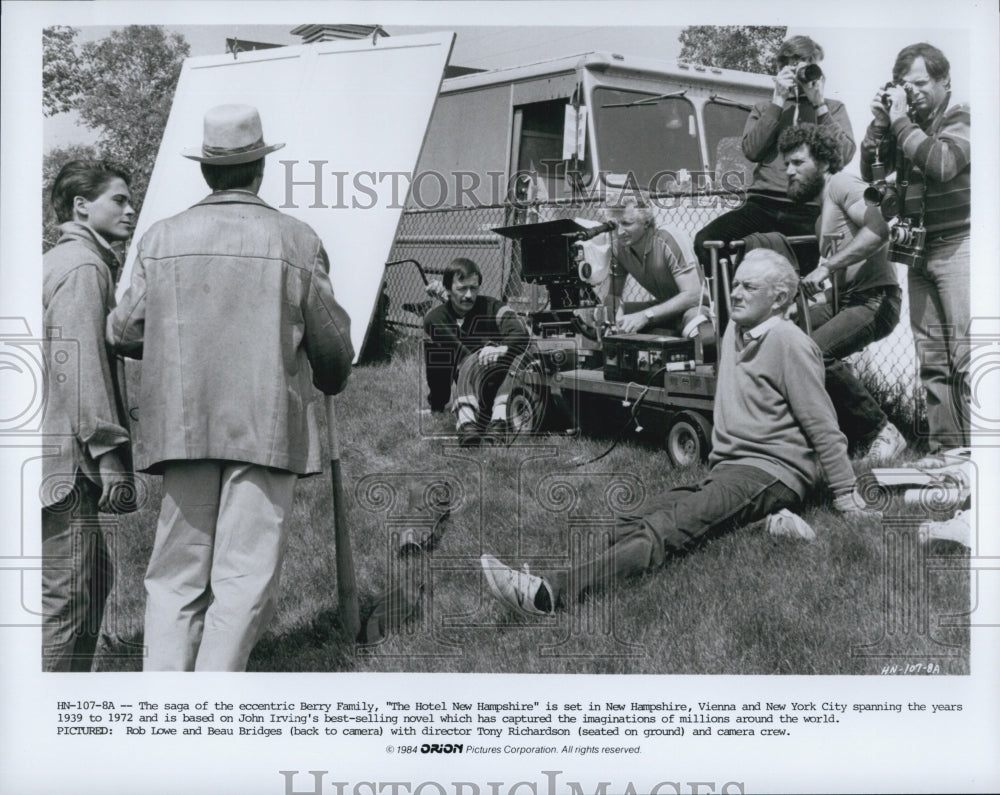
(525, 411)
(688, 439)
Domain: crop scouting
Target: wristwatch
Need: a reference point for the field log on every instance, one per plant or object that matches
(648, 314)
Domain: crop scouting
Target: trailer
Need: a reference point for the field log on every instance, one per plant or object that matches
(544, 141)
(539, 145)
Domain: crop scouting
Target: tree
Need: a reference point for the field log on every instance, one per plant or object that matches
(129, 79)
(122, 86)
(749, 48)
(60, 69)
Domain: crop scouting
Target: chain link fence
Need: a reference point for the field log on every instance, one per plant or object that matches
(429, 239)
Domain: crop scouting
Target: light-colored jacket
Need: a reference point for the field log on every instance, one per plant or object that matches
(84, 417)
(232, 312)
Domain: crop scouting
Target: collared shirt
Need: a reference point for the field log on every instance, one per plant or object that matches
(772, 410)
(746, 336)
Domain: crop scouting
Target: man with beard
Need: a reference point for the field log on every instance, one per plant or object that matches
(869, 296)
(917, 132)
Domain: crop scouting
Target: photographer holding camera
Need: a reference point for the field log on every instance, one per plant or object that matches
(799, 88)
(915, 132)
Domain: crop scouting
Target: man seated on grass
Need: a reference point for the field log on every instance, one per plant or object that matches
(472, 340)
(775, 432)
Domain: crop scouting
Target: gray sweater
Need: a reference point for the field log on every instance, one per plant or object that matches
(772, 410)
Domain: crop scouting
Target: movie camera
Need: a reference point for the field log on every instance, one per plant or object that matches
(578, 355)
(548, 257)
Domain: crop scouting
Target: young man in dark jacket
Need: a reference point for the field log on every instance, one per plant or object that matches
(471, 340)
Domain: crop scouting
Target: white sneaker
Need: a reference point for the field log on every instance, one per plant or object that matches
(887, 445)
(956, 529)
(516, 589)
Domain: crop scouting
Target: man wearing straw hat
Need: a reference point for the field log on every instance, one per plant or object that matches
(231, 309)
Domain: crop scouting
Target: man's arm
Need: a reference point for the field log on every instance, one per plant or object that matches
(690, 292)
(77, 308)
(760, 134)
(513, 336)
(872, 234)
(941, 155)
(126, 325)
(678, 256)
(327, 338)
(811, 406)
(839, 122)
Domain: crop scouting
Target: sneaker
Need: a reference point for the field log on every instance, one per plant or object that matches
(887, 445)
(957, 530)
(932, 461)
(519, 590)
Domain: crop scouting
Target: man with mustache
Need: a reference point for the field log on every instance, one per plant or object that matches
(916, 131)
(471, 340)
(869, 296)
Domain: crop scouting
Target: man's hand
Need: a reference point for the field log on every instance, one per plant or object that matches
(880, 116)
(852, 503)
(813, 282)
(814, 91)
(630, 324)
(898, 102)
(109, 467)
(784, 85)
(491, 353)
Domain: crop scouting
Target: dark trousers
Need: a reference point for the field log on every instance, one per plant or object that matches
(731, 496)
(864, 318)
(763, 214)
(440, 367)
(77, 576)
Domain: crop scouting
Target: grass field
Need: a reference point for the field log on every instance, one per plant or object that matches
(862, 595)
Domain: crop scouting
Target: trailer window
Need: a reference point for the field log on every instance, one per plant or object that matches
(645, 139)
(724, 126)
(540, 145)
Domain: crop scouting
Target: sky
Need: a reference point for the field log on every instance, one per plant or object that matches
(850, 53)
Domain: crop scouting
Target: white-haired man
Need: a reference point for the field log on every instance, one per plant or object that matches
(661, 260)
(775, 433)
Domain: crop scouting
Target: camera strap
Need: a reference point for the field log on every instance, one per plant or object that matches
(904, 172)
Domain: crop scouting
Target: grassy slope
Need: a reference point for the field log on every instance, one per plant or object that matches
(743, 603)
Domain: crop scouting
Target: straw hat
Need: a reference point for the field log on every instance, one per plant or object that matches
(233, 134)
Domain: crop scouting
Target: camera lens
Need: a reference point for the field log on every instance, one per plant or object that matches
(810, 72)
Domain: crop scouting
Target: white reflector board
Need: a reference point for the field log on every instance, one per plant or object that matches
(351, 114)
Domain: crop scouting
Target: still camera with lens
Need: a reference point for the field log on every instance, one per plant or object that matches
(900, 200)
